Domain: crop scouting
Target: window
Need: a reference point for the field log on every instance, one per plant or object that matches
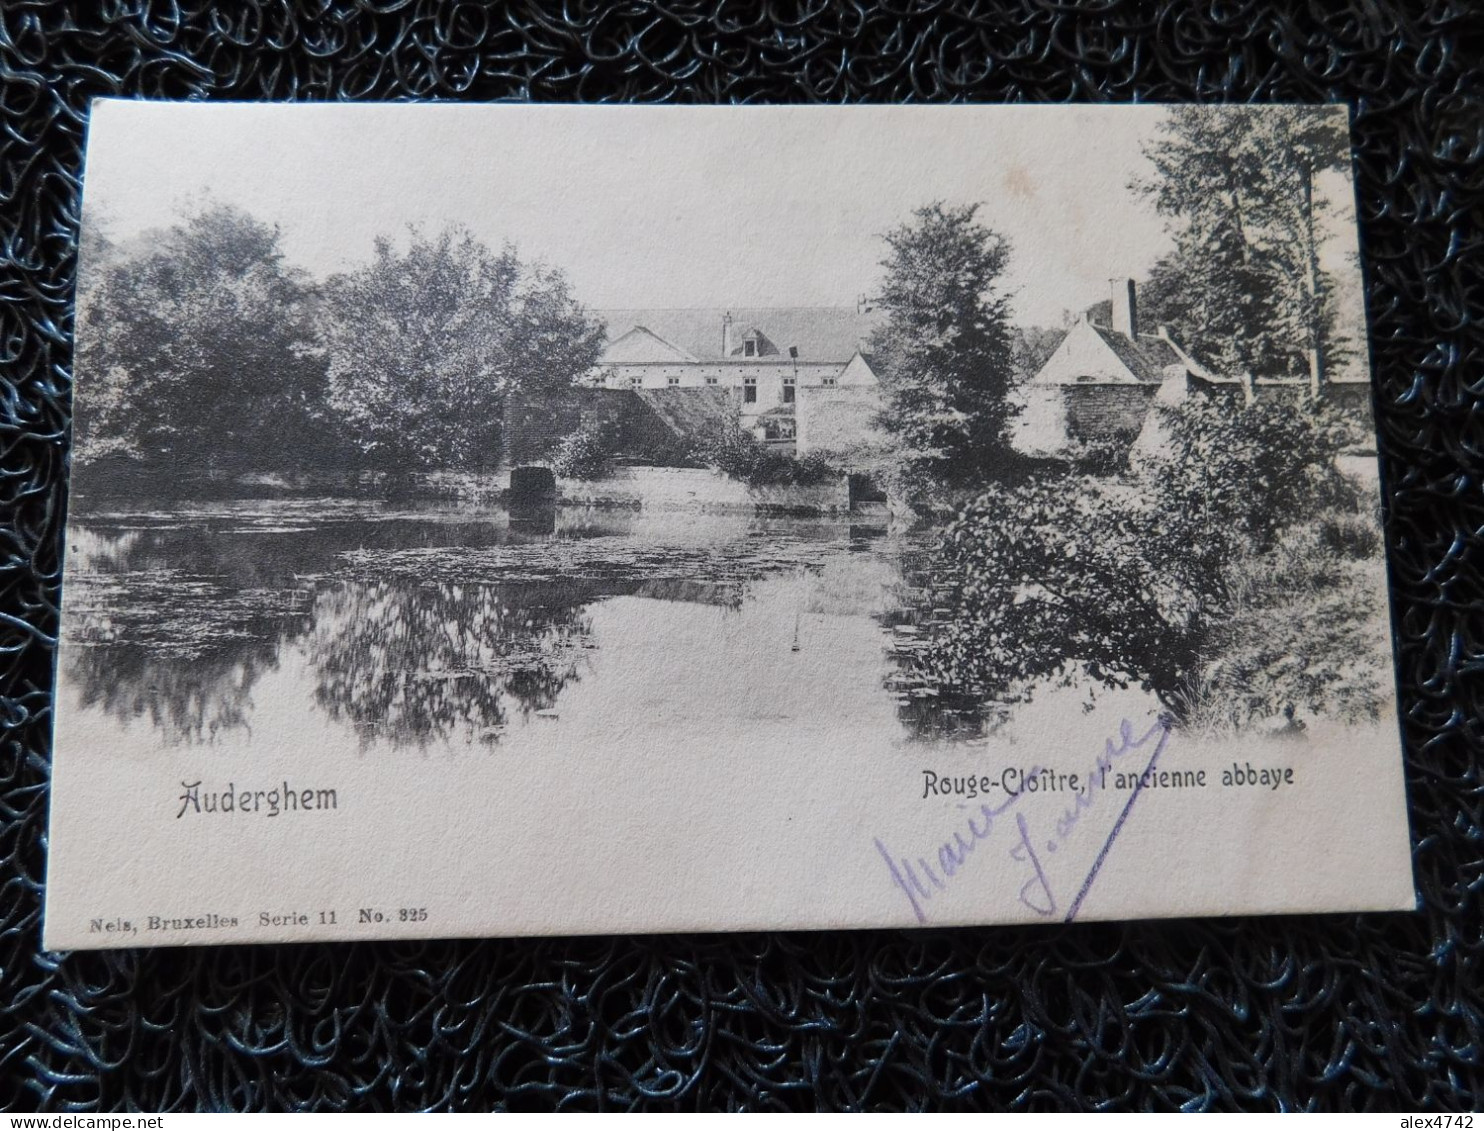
(636, 382)
(788, 390)
(749, 348)
(672, 381)
(830, 382)
(711, 380)
(749, 390)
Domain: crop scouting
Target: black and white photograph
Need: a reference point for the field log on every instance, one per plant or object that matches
(530, 519)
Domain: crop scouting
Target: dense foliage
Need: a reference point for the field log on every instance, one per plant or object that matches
(205, 352)
(1192, 576)
(424, 345)
(1245, 280)
(200, 351)
(586, 453)
(729, 449)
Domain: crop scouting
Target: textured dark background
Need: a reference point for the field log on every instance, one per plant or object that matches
(1380, 1011)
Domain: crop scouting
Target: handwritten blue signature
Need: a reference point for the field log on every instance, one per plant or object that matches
(922, 882)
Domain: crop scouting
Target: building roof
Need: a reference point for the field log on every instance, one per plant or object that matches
(1093, 354)
(859, 372)
(640, 345)
(1146, 357)
(820, 333)
(687, 411)
(1032, 348)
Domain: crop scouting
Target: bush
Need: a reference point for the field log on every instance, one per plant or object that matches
(1229, 573)
(1244, 471)
(811, 469)
(1306, 629)
(586, 453)
(1060, 579)
(731, 451)
(1103, 456)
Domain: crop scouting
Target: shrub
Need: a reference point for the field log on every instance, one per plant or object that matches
(1057, 579)
(811, 468)
(1229, 573)
(586, 453)
(1103, 456)
(1305, 629)
(1247, 471)
(731, 451)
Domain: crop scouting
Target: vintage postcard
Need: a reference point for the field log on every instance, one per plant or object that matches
(509, 520)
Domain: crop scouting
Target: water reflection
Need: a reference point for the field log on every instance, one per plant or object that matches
(159, 628)
(188, 699)
(534, 520)
(928, 707)
(446, 662)
(415, 628)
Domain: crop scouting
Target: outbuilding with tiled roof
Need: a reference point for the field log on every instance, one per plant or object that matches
(1099, 383)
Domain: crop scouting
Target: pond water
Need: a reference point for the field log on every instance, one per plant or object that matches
(443, 627)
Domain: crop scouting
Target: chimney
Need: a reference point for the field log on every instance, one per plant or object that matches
(1125, 307)
(726, 334)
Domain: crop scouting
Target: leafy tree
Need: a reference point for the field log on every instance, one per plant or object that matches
(197, 350)
(1226, 480)
(1140, 581)
(944, 353)
(425, 344)
(1244, 283)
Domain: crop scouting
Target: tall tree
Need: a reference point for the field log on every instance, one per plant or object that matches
(424, 345)
(1238, 185)
(944, 353)
(197, 349)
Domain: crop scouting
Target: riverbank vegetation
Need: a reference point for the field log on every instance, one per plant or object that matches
(207, 354)
(1232, 573)
(723, 445)
(726, 448)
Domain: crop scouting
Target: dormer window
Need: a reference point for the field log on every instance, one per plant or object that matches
(749, 348)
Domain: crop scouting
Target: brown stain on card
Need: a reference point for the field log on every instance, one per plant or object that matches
(1020, 183)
